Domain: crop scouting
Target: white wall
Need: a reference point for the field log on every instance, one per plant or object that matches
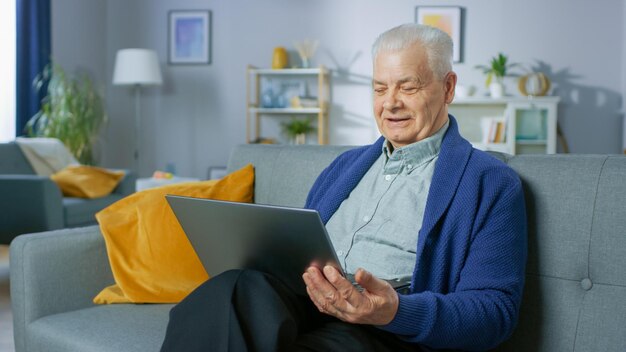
(78, 42)
(196, 118)
(78, 36)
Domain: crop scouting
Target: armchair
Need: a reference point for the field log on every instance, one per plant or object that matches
(31, 203)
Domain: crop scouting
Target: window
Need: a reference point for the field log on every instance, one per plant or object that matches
(7, 70)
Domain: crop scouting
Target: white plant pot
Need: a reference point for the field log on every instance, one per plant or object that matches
(300, 138)
(464, 91)
(496, 90)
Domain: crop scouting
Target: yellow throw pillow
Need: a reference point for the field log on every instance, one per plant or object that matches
(151, 258)
(85, 181)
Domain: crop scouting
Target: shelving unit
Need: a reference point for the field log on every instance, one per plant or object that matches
(530, 123)
(255, 110)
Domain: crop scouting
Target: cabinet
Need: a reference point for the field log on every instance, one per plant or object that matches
(260, 81)
(529, 123)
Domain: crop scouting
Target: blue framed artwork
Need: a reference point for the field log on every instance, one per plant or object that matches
(189, 37)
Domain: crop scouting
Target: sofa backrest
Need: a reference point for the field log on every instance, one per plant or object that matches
(575, 293)
(13, 161)
(283, 174)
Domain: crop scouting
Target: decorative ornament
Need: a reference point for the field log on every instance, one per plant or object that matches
(534, 84)
(306, 49)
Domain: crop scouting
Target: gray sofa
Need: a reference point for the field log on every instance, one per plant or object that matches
(32, 203)
(575, 297)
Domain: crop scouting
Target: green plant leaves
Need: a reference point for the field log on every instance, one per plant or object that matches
(498, 67)
(296, 127)
(72, 111)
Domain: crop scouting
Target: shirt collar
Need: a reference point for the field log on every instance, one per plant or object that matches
(412, 155)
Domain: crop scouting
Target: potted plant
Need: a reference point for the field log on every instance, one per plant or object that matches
(72, 111)
(297, 129)
(498, 68)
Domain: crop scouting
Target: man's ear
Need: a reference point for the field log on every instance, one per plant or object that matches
(449, 85)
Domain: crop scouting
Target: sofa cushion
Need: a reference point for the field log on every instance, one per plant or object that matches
(124, 327)
(81, 212)
(46, 155)
(86, 181)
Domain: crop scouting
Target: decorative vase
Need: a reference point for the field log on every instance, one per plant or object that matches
(496, 89)
(280, 101)
(306, 48)
(300, 138)
(267, 99)
(305, 62)
(464, 91)
(280, 59)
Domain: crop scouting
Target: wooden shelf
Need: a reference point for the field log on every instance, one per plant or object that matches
(254, 113)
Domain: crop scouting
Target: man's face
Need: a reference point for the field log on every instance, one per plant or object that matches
(410, 103)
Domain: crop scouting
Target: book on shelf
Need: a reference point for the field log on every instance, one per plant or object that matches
(493, 129)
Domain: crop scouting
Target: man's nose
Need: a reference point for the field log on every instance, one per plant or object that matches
(391, 101)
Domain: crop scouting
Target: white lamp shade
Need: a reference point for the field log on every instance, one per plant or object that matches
(137, 66)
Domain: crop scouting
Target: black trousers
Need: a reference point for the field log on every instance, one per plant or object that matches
(244, 310)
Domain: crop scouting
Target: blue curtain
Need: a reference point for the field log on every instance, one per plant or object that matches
(33, 54)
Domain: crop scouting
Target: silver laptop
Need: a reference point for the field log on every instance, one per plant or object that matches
(281, 241)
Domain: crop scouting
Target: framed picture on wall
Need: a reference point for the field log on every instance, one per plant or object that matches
(447, 18)
(189, 37)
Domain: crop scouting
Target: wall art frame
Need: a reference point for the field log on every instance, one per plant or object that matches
(189, 37)
(449, 19)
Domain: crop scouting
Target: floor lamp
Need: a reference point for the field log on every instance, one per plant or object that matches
(137, 68)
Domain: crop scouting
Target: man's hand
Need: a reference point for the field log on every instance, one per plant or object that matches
(332, 294)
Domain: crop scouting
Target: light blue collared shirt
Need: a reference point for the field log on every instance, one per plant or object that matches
(376, 227)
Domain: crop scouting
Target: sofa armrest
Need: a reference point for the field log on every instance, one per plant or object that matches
(127, 184)
(54, 272)
(29, 204)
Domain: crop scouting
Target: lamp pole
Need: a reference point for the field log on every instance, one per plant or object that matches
(137, 67)
(137, 92)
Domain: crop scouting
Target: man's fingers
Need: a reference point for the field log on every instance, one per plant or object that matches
(315, 301)
(317, 280)
(370, 282)
(322, 290)
(343, 286)
(331, 292)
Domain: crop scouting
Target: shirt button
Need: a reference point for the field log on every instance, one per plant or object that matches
(366, 218)
(340, 253)
(387, 177)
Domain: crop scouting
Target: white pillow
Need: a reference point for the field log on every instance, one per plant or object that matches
(46, 155)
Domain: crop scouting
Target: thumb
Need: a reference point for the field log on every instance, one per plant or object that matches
(369, 281)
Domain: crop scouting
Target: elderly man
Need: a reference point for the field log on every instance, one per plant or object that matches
(420, 203)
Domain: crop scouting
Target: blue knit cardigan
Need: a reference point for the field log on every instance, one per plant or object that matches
(471, 251)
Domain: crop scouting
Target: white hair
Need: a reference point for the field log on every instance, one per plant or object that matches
(437, 43)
